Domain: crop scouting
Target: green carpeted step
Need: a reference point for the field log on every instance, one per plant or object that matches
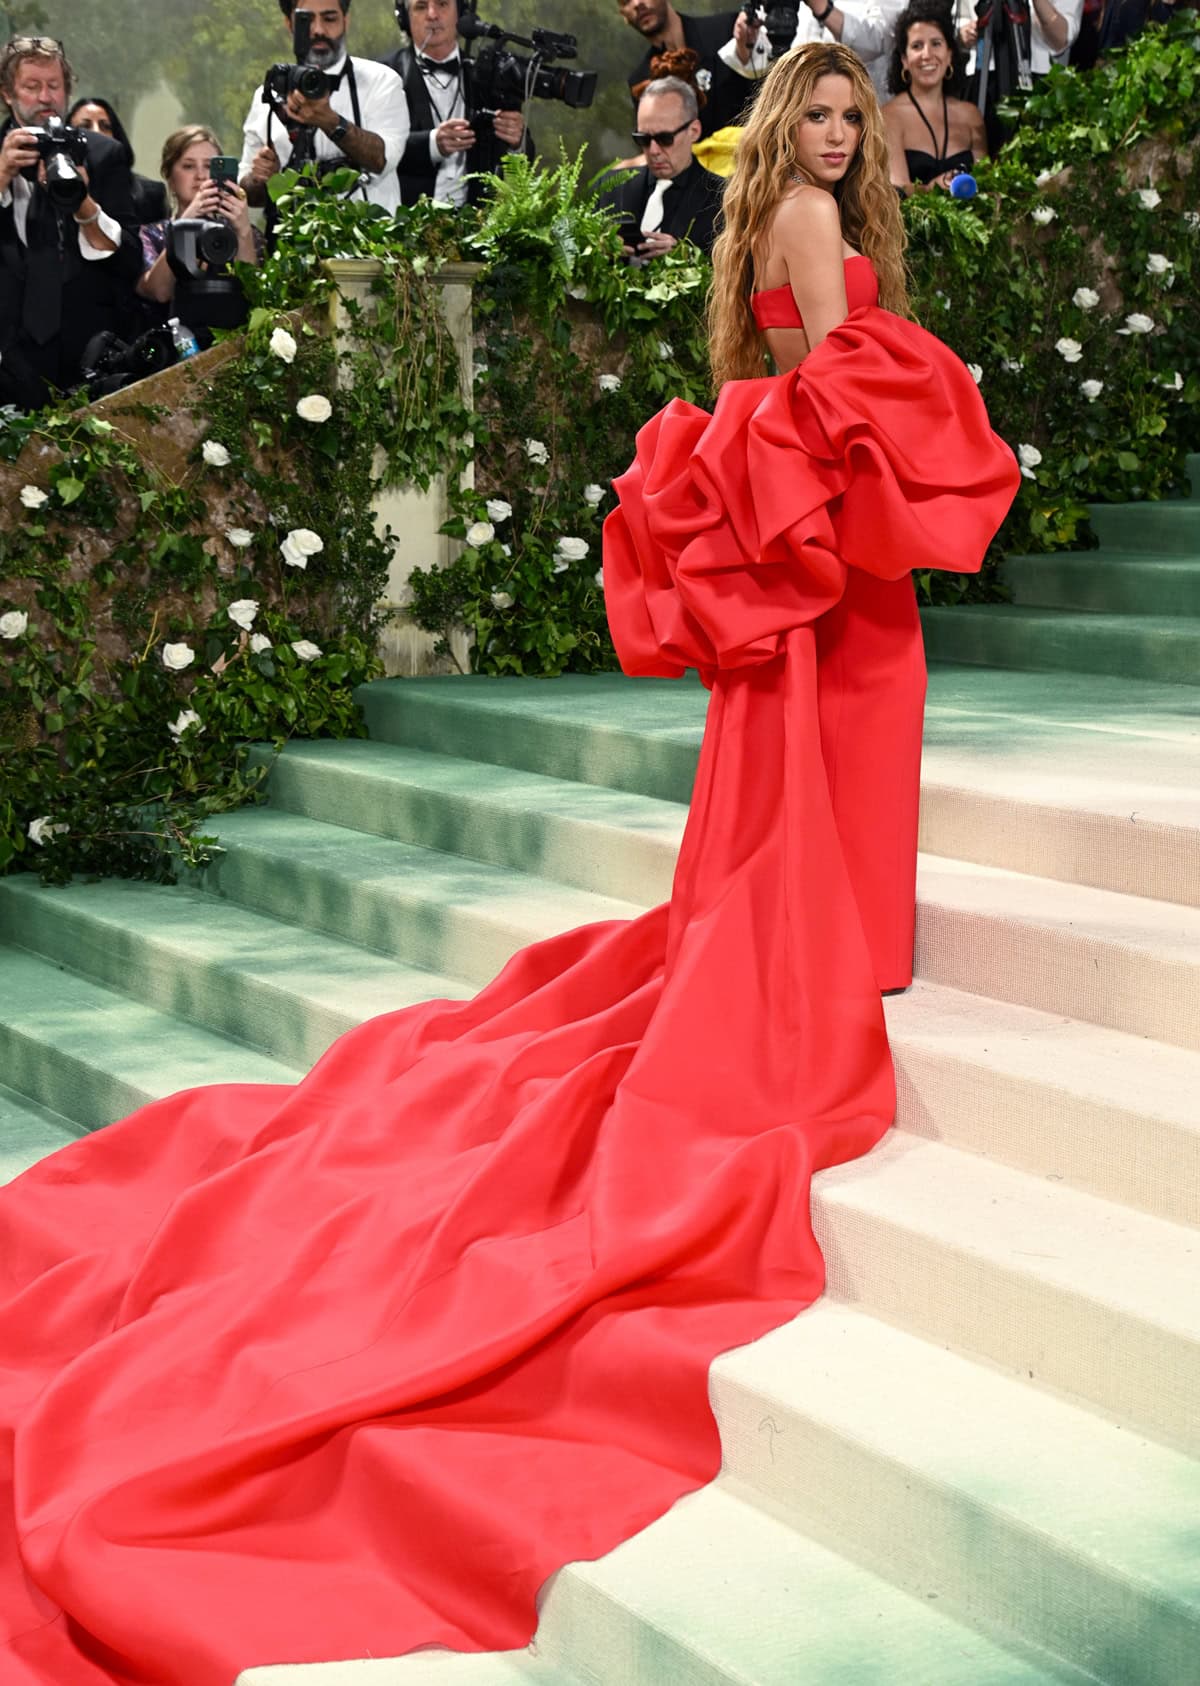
(638, 735)
(238, 973)
(94, 1055)
(1091, 579)
(29, 1132)
(999, 1500)
(1133, 646)
(1170, 527)
(1026, 1273)
(444, 913)
(1099, 1110)
(613, 842)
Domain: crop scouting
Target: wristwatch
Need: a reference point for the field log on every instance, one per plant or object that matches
(819, 17)
(339, 131)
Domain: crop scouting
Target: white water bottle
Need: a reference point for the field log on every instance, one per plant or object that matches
(183, 338)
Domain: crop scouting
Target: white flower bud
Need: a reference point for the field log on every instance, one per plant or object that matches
(1069, 350)
(306, 649)
(536, 451)
(1043, 215)
(40, 829)
(1149, 198)
(1091, 390)
(1085, 298)
(1158, 264)
(33, 497)
(571, 549)
(185, 718)
(214, 454)
(314, 408)
(178, 656)
(975, 372)
(502, 599)
(498, 510)
(283, 345)
(480, 532)
(1138, 324)
(13, 624)
(593, 494)
(299, 545)
(239, 537)
(259, 642)
(609, 383)
(242, 612)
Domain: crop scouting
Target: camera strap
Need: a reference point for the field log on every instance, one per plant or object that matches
(41, 307)
(303, 138)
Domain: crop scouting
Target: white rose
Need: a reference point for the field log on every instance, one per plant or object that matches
(536, 451)
(478, 370)
(1047, 175)
(1091, 390)
(598, 578)
(1085, 298)
(214, 454)
(242, 612)
(663, 348)
(593, 494)
(178, 656)
(571, 549)
(1013, 365)
(1148, 198)
(306, 649)
(498, 510)
(283, 345)
(577, 292)
(610, 383)
(1029, 457)
(975, 372)
(299, 545)
(1138, 324)
(480, 532)
(239, 537)
(259, 642)
(502, 600)
(561, 566)
(314, 408)
(33, 497)
(13, 624)
(1158, 264)
(1069, 350)
(185, 718)
(1175, 384)
(507, 549)
(1044, 215)
(40, 829)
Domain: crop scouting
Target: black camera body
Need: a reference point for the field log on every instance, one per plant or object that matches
(199, 252)
(503, 81)
(779, 24)
(62, 151)
(302, 78)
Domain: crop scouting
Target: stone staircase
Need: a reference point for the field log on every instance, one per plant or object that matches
(1132, 607)
(976, 1462)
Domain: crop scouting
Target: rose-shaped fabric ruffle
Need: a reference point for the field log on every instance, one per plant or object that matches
(876, 453)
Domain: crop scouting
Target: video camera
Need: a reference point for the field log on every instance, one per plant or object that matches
(301, 78)
(199, 253)
(62, 150)
(779, 23)
(503, 81)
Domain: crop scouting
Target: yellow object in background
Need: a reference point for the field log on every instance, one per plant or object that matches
(718, 150)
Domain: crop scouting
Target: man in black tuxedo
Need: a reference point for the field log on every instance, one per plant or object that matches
(449, 139)
(726, 94)
(67, 270)
(672, 196)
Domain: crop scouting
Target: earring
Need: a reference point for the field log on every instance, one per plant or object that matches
(906, 75)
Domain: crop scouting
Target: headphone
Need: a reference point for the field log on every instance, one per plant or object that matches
(402, 13)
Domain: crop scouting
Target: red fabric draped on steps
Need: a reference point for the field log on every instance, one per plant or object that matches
(335, 1371)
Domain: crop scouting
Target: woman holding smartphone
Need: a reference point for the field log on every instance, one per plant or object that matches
(187, 168)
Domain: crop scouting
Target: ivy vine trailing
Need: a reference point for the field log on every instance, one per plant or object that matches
(178, 581)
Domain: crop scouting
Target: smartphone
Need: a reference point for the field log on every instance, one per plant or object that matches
(223, 169)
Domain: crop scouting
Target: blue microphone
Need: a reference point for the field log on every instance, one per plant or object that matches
(964, 186)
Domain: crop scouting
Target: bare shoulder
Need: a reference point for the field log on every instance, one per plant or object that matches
(892, 113)
(808, 217)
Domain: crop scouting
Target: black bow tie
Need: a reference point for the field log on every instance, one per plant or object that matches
(439, 67)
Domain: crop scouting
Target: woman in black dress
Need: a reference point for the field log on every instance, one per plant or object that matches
(932, 135)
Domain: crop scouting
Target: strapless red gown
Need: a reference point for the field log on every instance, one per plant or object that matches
(345, 1369)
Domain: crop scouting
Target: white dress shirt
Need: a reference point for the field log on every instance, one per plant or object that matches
(868, 30)
(383, 111)
(19, 196)
(1041, 57)
(446, 98)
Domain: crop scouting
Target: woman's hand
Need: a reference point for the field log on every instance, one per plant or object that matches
(234, 207)
(206, 204)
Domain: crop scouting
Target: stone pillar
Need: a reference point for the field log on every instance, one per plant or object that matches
(413, 515)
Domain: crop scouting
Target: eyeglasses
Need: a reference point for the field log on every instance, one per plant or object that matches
(32, 44)
(661, 137)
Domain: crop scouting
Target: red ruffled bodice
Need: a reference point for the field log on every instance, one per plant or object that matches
(875, 453)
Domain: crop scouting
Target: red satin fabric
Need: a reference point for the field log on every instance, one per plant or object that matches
(345, 1369)
(776, 307)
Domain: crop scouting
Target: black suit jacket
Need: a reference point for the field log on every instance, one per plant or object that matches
(416, 170)
(96, 295)
(728, 94)
(689, 209)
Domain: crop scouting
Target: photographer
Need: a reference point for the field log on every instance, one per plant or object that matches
(359, 119)
(186, 158)
(662, 27)
(448, 141)
(69, 253)
(865, 26)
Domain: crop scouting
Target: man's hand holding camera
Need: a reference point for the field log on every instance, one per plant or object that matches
(457, 135)
(21, 155)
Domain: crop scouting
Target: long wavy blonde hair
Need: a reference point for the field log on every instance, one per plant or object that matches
(766, 168)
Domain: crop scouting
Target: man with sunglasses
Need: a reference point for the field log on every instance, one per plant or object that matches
(672, 196)
(68, 263)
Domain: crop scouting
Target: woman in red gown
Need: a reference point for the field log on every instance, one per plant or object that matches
(341, 1370)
